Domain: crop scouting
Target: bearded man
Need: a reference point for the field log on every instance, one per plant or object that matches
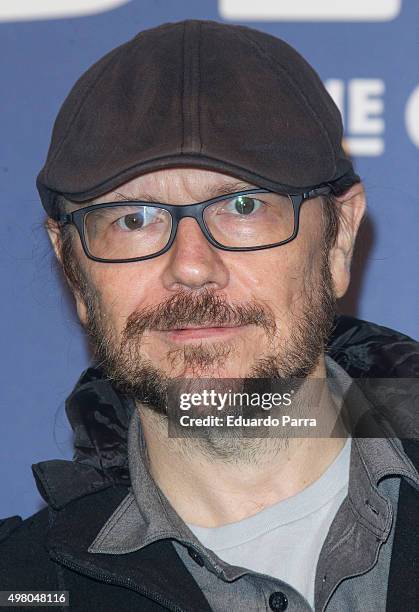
(205, 213)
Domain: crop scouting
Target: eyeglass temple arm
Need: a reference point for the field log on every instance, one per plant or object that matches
(313, 193)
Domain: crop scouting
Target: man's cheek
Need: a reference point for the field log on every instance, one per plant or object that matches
(289, 291)
(114, 302)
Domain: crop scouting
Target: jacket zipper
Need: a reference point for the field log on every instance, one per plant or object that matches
(119, 582)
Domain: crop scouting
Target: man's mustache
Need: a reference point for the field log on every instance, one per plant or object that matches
(185, 308)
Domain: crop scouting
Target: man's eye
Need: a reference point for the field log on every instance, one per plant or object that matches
(140, 219)
(243, 205)
(133, 221)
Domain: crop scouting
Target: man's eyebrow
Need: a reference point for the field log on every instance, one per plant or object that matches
(212, 191)
(229, 187)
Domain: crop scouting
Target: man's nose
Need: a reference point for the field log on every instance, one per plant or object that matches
(194, 263)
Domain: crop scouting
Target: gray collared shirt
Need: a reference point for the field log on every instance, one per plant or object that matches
(353, 566)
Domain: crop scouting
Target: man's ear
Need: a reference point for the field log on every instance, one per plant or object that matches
(351, 208)
(54, 234)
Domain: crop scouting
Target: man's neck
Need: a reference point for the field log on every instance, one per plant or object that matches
(208, 491)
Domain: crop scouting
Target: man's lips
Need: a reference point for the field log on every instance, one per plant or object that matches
(200, 331)
(203, 326)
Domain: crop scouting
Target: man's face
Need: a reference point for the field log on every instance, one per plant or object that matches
(255, 314)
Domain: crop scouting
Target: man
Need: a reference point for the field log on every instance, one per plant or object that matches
(205, 214)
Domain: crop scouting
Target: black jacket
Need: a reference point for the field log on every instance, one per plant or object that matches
(48, 551)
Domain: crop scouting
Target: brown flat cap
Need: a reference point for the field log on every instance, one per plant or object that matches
(200, 94)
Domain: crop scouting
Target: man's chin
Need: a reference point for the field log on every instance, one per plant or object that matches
(201, 360)
(198, 371)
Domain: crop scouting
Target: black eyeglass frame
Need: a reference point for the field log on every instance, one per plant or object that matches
(195, 211)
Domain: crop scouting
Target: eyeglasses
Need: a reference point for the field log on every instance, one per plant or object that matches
(120, 232)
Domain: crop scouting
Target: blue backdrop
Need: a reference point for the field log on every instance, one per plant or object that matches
(367, 54)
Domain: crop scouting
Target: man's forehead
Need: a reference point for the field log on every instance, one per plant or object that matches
(174, 184)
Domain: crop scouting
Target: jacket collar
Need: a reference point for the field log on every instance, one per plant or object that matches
(99, 418)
